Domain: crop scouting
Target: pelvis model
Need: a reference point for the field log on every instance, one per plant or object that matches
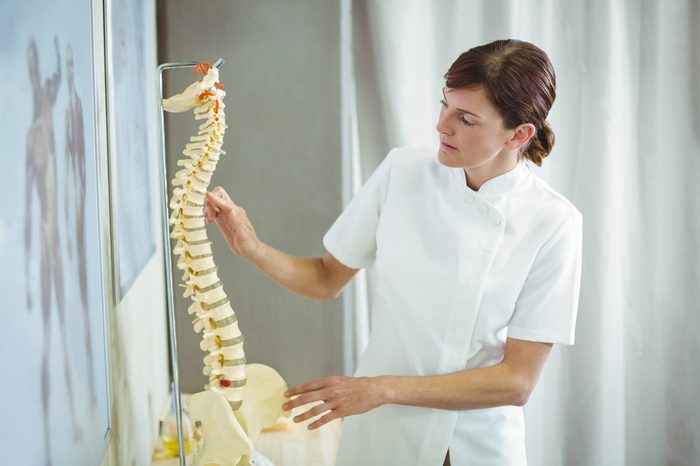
(240, 399)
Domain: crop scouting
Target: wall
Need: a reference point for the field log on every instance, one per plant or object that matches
(139, 368)
(282, 77)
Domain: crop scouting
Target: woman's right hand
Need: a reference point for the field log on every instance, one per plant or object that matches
(233, 222)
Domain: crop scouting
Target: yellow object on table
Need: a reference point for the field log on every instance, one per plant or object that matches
(289, 444)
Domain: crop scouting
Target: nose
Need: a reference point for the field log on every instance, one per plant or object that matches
(442, 126)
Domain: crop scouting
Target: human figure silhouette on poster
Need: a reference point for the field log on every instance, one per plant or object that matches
(41, 177)
(75, 195)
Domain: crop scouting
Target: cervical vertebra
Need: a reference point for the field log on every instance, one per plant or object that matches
(254, 393)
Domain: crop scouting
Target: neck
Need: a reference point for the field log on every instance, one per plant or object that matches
(477, 176)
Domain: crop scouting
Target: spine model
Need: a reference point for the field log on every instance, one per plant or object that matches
(240, 399)
(214, 316)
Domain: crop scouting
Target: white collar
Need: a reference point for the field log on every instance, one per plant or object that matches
(498, 185)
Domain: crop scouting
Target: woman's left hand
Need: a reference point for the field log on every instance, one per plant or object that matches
(342, 396)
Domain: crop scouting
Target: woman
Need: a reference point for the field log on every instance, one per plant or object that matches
(477, 265)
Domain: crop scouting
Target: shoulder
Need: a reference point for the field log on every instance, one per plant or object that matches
(547, 204)
(411, 162)
(416, 169)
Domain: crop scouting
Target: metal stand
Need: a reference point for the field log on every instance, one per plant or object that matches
(165, 216)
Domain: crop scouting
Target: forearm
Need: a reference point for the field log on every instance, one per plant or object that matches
(486, 387)
(509, 382)
(319, 278)
(304, 276)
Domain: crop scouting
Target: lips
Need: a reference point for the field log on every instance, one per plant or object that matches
(447, 146)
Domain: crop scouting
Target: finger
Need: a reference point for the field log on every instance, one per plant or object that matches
(221, 192)
(308, 386)
(217, 205)
(213, 210)
(217, 201)
(210, 215)
(210, 212)
(303, 399)
(313, 412)
(324, 420)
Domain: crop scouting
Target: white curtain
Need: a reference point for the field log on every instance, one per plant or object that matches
(627, 122)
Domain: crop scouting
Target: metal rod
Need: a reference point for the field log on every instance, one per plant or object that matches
(165, 217)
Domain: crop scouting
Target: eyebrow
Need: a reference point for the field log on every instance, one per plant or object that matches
(460, 109)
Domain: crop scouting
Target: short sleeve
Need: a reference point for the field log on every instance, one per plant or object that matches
(548, 302)
(352, 237)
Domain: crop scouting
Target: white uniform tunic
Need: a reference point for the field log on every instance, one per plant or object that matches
(457, 272)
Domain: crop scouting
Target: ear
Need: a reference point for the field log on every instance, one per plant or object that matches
(521, 135)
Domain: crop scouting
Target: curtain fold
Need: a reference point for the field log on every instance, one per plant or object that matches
(627, 123)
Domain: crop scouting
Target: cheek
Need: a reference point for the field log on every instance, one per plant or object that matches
(479, 140)
(476, 147)
(470, 141)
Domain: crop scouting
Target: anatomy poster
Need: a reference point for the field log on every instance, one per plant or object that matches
(133, 104)
(53, 397)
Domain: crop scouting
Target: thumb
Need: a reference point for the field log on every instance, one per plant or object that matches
(219, 202)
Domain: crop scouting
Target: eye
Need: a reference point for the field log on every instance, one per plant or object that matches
(465, 122)
(443, 102)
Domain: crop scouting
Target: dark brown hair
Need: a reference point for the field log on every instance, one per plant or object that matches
(518, 80)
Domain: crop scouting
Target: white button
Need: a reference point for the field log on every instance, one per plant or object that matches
(498, 221)
(483, 208)
(471, 199)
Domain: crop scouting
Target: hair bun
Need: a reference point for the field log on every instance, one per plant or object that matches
(519, 80)
(540, 145)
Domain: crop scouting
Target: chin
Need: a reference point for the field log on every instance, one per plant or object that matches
(448, 160)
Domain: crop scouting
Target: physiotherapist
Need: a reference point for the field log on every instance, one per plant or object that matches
(477, 264)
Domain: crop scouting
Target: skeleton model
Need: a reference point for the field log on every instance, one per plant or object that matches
(240, 399)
